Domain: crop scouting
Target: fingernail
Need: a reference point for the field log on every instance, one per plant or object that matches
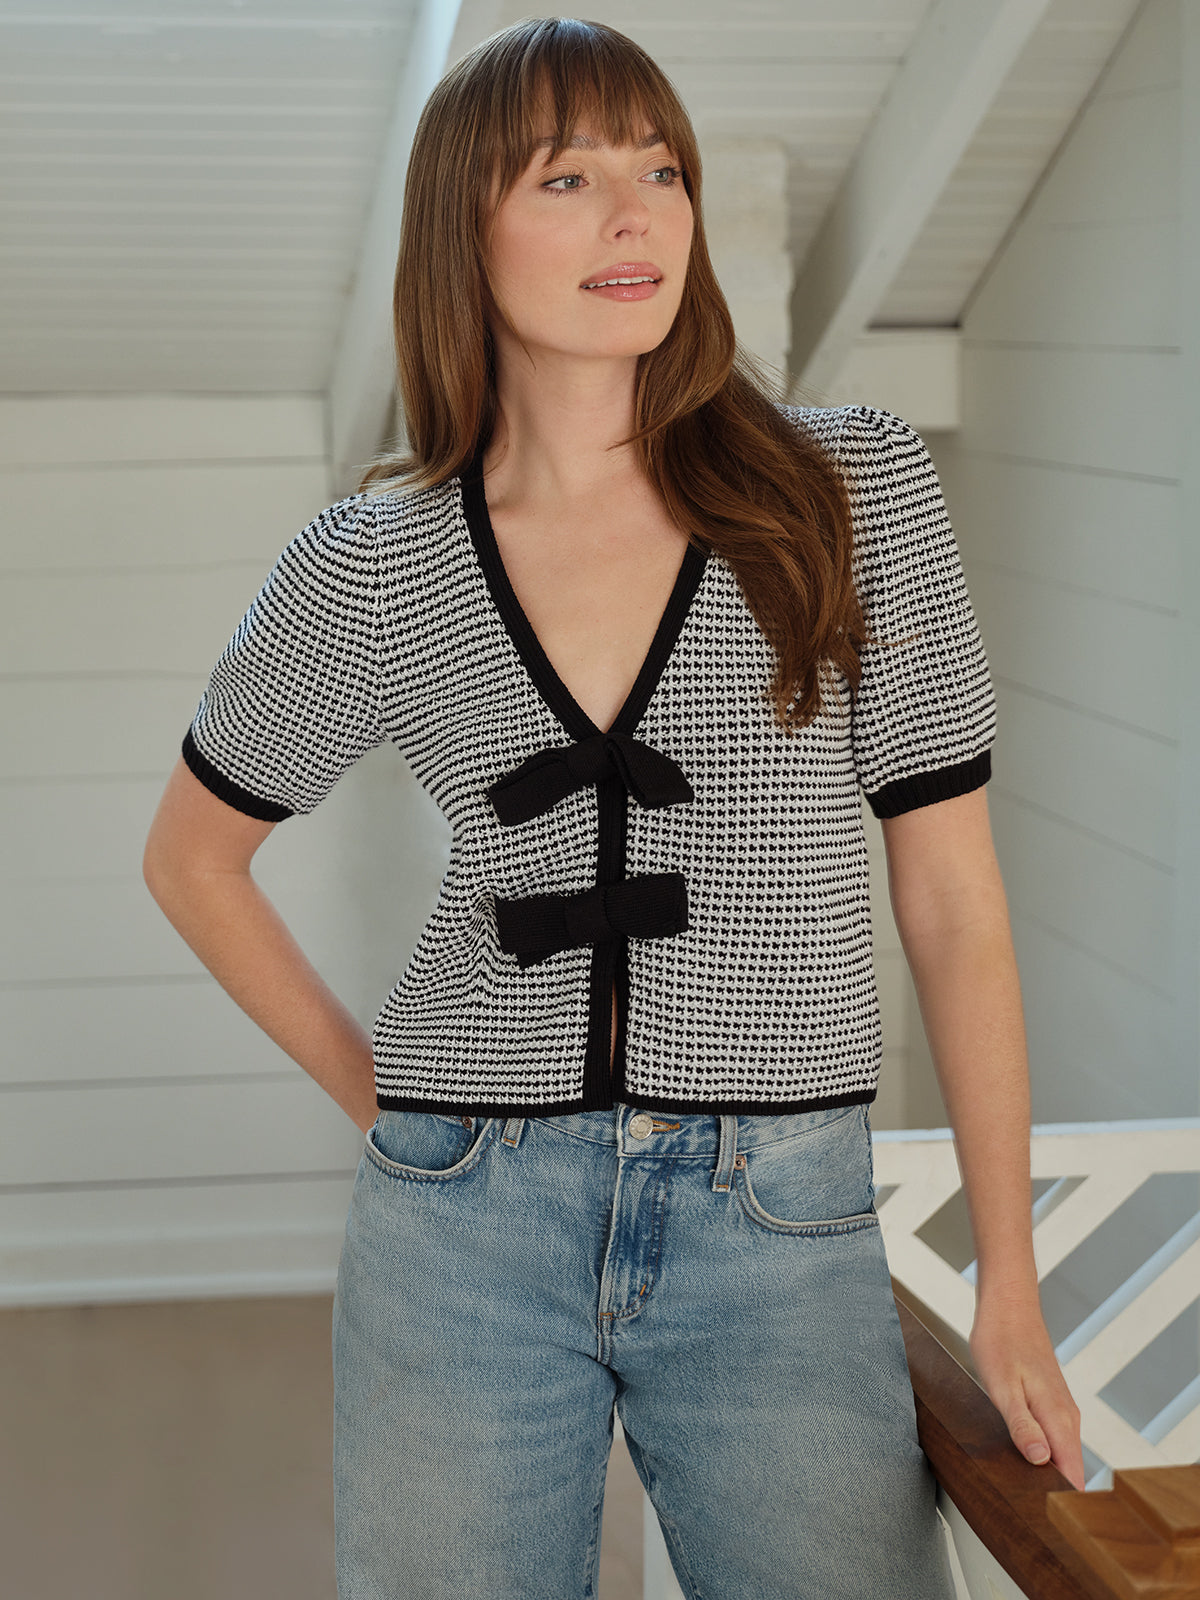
(1038, 1453)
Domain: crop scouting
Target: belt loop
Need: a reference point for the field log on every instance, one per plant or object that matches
(726, 1156)
(512, 1131)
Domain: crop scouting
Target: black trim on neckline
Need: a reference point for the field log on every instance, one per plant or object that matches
(520, 630)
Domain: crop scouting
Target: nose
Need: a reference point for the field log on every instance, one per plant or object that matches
(628, 212)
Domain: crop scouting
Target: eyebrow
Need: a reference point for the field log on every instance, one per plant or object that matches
(582, 141)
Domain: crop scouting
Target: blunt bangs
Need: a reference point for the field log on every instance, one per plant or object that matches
(569, 73)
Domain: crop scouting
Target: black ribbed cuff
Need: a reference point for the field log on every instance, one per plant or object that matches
(225, 789)
(927, 788)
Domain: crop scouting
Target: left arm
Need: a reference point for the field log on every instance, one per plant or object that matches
(952, 917)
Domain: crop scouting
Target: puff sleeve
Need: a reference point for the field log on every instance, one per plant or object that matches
(924, 717)
(293, 699)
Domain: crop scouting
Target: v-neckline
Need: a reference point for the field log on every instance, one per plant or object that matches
(529, 647)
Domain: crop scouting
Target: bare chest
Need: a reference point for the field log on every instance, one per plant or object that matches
(594, 595)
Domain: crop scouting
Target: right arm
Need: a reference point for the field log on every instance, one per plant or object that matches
(197, 867)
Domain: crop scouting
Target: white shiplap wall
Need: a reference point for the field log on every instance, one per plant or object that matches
(152, 1140)
(1066, 476)
(1064, 486)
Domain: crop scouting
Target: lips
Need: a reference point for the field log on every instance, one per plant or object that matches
(623, 272)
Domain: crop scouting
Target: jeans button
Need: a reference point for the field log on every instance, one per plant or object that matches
(641, 1125)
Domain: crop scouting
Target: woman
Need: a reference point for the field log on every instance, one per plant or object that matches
(647, 637)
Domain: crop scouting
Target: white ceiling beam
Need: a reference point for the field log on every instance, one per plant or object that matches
(363, 379)
(915, 372)
(941, 92)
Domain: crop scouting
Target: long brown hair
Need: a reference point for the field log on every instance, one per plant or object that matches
(730, 468)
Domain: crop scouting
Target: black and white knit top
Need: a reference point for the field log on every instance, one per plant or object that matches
(711, 865)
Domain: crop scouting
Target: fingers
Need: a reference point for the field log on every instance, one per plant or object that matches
(1025, 1433)
(1018, 1368)
(1061, 1426)
(1046, 1428)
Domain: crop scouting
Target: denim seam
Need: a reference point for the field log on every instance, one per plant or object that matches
(763, 1219)
(798, 1133)
(659, 1230)
(592, 1554)
(671, 1535)
(403, 1174)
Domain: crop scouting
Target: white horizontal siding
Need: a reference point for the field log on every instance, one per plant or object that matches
(1052, 522)
(1115, 781)
(70, 431)
(1063, 485)
(1098, 1038)
(152, 1139)
(1023, 400)
(1113, 904)
(171, 1238)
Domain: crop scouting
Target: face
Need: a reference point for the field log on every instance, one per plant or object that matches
(595, 213)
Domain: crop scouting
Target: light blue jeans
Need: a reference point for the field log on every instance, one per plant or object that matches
(720, 1280)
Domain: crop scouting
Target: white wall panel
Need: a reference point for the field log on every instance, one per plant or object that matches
(158, 516)
(56, 832)
(125, 621)
(1090, 531)
(1100, 174)
(69, 430)
(106, 927)
(170, 1238)
(1149, 53)
(1063, 489)
(1025, 401)
(64, 726)
(60, 1033)
(1057, 641)
(1107, 900)
(128, 1133)
(1064, 281)
(1112, 780)
(1100, 1043)
(141, 529)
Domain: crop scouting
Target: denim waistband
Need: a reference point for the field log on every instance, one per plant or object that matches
(679, 1134)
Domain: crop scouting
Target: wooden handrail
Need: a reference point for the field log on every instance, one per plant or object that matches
(1001, 1496)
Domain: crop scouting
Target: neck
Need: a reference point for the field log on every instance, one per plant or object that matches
(558, 421)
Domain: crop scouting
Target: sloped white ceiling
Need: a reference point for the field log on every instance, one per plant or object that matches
(185, 187)
(186, 182)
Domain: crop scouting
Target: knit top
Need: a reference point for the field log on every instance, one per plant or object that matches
(696, 854)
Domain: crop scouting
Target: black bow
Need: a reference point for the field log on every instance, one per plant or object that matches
(647, 907)
(541, 780)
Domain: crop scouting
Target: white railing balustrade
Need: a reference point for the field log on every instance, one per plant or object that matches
(1093, 1169)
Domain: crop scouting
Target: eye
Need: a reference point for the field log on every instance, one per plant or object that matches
(672, 174)
(572, 179)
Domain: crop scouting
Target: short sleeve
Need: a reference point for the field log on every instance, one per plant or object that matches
(924, 715)
(293, 700)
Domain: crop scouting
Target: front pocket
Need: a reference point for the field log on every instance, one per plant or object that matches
(816, 1182)
(426, 1146)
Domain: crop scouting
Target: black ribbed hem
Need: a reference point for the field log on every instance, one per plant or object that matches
(503, 1108)
(225, 789)
(927, 788)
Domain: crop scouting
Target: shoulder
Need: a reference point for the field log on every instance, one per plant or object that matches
(857, 434)
(355, 532)
(413, 522)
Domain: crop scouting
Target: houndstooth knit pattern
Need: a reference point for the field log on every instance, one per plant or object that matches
(378, 623)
